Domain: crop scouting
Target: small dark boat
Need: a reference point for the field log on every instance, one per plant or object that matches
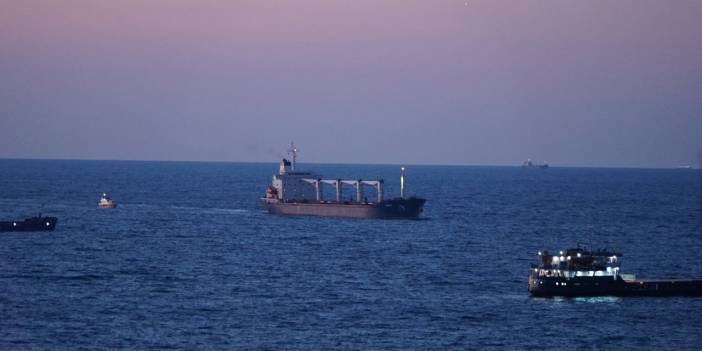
(31, 224)
(581, 272)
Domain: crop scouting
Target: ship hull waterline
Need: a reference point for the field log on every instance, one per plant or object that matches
(390, 209)
(606, 286)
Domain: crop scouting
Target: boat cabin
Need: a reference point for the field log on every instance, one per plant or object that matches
(578, 262)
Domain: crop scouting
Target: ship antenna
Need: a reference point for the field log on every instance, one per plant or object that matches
(402, 182)
(293, 151)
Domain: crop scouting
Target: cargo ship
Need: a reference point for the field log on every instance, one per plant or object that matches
(581, 272)
(294, 192)
(31, 224)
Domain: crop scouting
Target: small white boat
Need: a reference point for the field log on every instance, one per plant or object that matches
(106, 202)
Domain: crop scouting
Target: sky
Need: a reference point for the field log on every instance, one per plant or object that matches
(574, 83)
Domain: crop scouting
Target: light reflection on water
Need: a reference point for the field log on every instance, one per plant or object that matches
(598, 299)
(568, 300)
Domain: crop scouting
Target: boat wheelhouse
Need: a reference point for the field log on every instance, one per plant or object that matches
(579, 262)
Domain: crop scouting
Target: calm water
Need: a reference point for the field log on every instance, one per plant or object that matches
(189, 260)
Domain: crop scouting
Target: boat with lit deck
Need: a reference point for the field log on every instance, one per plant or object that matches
(582, 272)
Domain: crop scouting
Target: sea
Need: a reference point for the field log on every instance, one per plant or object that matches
(189, 260)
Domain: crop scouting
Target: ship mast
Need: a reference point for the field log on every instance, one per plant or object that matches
(402, 182)
(293, 151)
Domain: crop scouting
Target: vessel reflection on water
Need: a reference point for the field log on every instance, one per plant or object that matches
(581, 272)
(294, 192)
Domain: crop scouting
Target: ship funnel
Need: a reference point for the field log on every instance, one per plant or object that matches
(284, 167)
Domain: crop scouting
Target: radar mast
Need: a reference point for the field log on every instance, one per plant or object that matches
(293, 151)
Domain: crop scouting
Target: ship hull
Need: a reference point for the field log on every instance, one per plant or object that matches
(396, 208)
(607, 286)
(34, 224)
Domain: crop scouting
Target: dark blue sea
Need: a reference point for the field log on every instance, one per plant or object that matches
(189, 260)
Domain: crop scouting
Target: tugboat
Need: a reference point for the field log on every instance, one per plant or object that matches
(580, 272)
(294, 192)
(31, 224)
(106, 202)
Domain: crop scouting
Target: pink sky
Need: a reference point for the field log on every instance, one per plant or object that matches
(610, 83)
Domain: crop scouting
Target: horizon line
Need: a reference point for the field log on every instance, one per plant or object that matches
(341, 163)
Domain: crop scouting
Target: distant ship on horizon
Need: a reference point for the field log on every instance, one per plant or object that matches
(530, 164)
(294, 192)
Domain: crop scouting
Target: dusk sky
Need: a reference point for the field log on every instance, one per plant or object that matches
(575, 83)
